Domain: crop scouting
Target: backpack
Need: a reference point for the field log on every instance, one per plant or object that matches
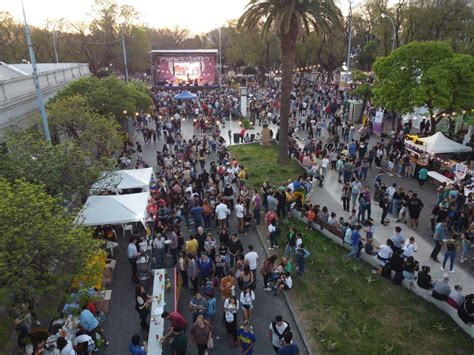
(275, 330)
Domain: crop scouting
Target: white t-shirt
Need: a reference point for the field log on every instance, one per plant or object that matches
(275, 338)
(385, 251)
(83, 338)
(251, 258)
(222, 211)
(271, 228)
(325, 163)
(68, 349)
(409, 249)
(239, 211)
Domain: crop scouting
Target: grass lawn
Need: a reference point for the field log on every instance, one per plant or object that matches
(346, 309)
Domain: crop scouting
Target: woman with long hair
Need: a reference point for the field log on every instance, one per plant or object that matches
(231, 306)
(142, 305)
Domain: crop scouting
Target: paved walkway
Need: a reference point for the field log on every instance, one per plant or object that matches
(123, 321)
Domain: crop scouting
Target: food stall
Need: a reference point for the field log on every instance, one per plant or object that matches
(435, 153)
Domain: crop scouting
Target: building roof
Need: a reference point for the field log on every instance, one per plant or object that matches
(11, 71)
(184, 51)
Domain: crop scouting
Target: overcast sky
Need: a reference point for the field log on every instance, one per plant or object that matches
(196, 15)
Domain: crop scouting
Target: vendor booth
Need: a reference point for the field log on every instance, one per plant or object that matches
(123, 182)
(436, 153)
(438, 143)
(114, 209)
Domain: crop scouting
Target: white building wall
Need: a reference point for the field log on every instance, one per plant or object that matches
(18, 104)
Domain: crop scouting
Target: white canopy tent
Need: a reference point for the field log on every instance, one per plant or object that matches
(114, 209)
(439, 144)
(116, 181)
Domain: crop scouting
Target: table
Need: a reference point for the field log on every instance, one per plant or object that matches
(157, 307)
(439, 177)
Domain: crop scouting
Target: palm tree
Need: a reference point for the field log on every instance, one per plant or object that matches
(291, 19)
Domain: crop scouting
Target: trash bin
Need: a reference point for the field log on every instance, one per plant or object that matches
(252, 137)
(236, 138)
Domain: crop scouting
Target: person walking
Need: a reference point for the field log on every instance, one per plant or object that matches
(288, 348)
(246, 338)
(301, 255)
(247, 296)
(346, 196)
(440, 234)
(251, 259)
(415, 205)
(231, 306)
(450, 253)
(201, 334)
(277, 331)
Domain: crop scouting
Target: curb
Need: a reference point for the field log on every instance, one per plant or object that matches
(290, 306)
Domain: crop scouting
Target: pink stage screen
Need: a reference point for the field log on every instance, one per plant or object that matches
(179, 70)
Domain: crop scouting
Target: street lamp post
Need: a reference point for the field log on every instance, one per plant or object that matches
(220, 57)
(39, 94)
(393, 28)
(124, 55)
(349, 44)
(54, 40)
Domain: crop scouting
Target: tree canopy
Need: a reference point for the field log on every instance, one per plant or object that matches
(41, 249)
(425, 74)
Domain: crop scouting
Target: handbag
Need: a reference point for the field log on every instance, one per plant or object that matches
(210, 343)
(229, 317)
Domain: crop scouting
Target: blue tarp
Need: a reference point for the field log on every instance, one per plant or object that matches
(185, 95)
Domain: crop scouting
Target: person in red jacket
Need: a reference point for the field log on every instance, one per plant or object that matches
(177, 321)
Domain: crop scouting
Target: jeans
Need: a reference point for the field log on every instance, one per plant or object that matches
(289, 251)
(354, 198)
(368, 208)
(300, 260)
(465, 248)
(174, 254)
(451, 255)
(256, 215)
(395, 206)
(273, 240)
(436, 249)
(364, 173)
(207, 221)
(354, 251)
(361, 215)
(407, 275)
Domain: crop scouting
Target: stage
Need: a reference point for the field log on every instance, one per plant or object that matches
(184, 69)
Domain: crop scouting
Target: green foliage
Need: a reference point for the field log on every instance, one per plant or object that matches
(71, 116)
(110, 95)
(246, 123)
(65, 170)
(249, 71)
(424, 74)
(41, 249)
(343, 307)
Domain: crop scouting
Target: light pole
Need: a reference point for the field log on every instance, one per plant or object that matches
(349, 44)
(54, 40)
(393, 28)
(124, 55)
(220, 57)
(39, 94)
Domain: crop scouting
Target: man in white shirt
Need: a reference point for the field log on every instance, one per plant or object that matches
(251, 258)
(324, 165)
(222, 211)
(277, 329)
(410, 247)
(159, 250)
(132, 253)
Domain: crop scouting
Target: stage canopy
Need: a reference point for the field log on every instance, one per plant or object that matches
(114, 209)
(185, 95)
(116, 181)
(439, 144)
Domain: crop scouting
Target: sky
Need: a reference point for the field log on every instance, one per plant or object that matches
(196, 15)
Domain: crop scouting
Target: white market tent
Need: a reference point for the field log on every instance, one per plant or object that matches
(123, 179)
(439, 144)
(114, 209)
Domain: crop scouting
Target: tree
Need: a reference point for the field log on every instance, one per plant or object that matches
(41, 249)
(65, 170)
(290, 19)
(425, 74)
(110, 96)
(363, 89)
(72, 117)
